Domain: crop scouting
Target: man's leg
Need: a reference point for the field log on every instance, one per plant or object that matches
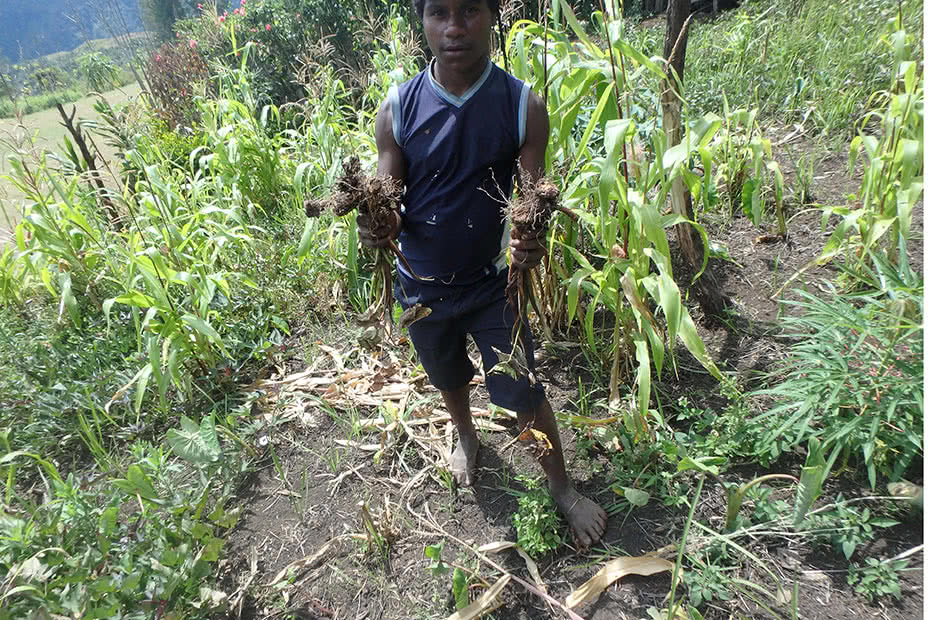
(586, 519)
(465, 456)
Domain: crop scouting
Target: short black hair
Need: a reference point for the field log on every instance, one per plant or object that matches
(418, 5)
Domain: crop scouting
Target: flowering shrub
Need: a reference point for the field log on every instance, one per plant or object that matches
(176, 71)
(284, 33)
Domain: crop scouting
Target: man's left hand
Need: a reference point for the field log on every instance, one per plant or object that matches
(526, 253)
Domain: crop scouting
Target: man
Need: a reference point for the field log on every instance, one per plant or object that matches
(453, 135)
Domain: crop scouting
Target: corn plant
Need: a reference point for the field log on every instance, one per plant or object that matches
(59, 241)
(333, 129)
(593, 144)
(892, 179)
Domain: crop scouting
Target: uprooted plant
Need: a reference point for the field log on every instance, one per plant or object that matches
(529, 216)
(378, 198)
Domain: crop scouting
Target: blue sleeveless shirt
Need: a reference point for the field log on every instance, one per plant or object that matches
(460, 153)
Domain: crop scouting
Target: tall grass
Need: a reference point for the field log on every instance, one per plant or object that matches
(819, 64)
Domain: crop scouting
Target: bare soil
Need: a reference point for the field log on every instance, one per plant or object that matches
(308, 499)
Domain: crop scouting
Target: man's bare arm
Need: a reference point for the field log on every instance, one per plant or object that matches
(526, 253)
(390, 157)
(533, 151)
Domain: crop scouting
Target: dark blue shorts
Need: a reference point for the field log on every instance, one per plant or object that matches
(479, 309)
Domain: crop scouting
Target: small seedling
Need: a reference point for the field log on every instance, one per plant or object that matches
(877, 579)
(537, 522)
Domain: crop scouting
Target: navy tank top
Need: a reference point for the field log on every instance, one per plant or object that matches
(460, 154)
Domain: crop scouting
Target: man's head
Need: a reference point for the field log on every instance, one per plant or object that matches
(493, 5)
(458, 32)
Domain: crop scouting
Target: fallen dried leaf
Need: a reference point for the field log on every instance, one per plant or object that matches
(541, 444)
(503, 545)
(486, 603)
(306, 563)
(614, 570)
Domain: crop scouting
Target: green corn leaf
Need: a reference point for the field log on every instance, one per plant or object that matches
(133, 298)
(572, 293)
(68, 302)
(205, 329)
(813, 475)
(643, 373)
(304, 248)
(459, 588)
(141, 380)
(579, 30)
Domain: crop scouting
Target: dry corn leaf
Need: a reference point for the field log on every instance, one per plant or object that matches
(304, 564)
(614, 570)
(486, 603)
(503, 545)
(413, 314)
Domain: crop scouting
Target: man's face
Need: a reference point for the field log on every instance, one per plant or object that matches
(458, 32)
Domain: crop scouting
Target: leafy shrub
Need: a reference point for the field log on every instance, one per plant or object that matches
(845, 528)
(175, 145)
(854, 377)
(37, 103)
(285, 34)
(99, 71)
(48, 79)
(877, 579)
(97, 547)
(176, 72)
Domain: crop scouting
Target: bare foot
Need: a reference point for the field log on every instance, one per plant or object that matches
(586, 519)
(464, 461)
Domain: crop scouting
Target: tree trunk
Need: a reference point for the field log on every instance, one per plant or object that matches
(676, 42)
(94, 180)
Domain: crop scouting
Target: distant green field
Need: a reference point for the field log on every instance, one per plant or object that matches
(48, 131)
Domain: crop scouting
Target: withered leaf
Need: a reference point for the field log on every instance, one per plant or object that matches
(614, 570)
(413, 314)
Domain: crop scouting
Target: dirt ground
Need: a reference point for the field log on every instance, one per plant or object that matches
(301, 550)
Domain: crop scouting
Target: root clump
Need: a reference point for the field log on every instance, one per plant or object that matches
(377, 197)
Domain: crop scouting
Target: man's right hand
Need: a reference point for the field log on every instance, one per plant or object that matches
(378, 237)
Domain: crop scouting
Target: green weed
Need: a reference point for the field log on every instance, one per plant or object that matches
(853, 378)
(536, 520)
(877, 579)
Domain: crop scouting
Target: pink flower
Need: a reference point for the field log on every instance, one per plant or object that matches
(157, 57)
(242, 3)
(236, 12)
(193, 44)
(222, 18)
(200, 7)
(267, 27)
